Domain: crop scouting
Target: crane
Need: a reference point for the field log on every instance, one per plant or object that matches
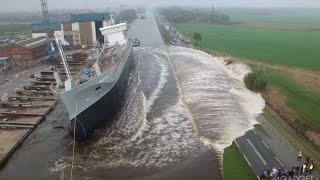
(45, 15)
(51, 51)
(44, 9)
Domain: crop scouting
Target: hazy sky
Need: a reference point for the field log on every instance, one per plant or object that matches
(31, 5)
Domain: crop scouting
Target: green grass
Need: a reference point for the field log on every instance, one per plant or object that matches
(260, 128)
(295, 139)
(292, 48)
(295, 20)
(306, 103)
(285, 16)
(235, 166)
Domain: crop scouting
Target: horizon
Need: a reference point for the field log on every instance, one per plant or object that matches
(60, 5)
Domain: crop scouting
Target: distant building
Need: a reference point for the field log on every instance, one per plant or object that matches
(82, 30)
(26, 50)
(39, 30)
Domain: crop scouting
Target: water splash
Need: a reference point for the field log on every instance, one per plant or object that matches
(163, 76)
(218, 102)
(142, 120)
(138, 138)
(234, 69)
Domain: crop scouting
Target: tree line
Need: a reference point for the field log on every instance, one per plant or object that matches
(182, 15)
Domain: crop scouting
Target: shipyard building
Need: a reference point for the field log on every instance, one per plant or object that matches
(81, 31)
(26, 52)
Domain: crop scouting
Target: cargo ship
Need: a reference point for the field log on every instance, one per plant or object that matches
(93, 95)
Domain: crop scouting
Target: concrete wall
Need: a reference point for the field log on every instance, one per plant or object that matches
(86, 37)
(76, 32)
(67, 27)
(93, 30)
(60, 35)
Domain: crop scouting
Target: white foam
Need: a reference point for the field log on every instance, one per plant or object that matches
(219, 103)
(162, 80)
(252, 103)
(142, 120)
(235, 70)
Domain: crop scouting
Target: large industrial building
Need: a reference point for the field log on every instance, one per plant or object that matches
(25, 51)
(81, 31)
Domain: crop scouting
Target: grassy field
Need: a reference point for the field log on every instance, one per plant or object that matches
(235, 166)
(303, 101)
(284, 16)
(292, 48)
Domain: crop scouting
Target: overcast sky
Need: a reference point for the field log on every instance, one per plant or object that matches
(33, 5)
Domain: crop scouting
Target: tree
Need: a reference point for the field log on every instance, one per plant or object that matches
(197, 37)
(256, 80)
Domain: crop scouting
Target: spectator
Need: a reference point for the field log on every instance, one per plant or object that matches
(311, 167)
(303, 169)
(299, 155)
(297, 170)
(263, 175)
(274, 172)
(279, 173)
(291, 173)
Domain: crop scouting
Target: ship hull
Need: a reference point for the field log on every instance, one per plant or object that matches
(84, 124)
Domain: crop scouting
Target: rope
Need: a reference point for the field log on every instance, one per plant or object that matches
(74, 143)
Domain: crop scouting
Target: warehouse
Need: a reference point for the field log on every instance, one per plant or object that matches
(84, 30)
(26, 50)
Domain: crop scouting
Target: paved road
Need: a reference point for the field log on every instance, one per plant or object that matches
(257, 152)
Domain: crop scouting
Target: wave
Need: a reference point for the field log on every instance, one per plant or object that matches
(218, 102)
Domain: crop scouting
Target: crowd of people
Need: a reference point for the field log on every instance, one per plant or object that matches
(305, 169)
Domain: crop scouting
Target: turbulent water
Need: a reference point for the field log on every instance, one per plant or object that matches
(165, 122)
(152, 131)
(221, 107)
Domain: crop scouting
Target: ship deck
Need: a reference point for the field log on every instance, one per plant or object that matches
(78, 64)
